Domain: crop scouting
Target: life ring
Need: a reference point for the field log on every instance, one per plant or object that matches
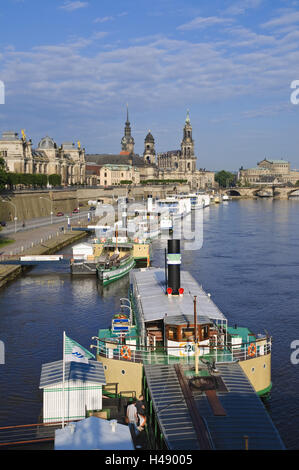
(120, 316)
(126, 352)
(251, 350)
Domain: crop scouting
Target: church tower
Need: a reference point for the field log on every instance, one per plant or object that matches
(188, 159)
(127, 142)
(149, 154)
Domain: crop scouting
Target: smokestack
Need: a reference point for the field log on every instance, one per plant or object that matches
(149, 203)
(124, 220)
(174, 266)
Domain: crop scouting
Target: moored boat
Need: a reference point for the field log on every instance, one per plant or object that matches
(177, 348)
(110, 269)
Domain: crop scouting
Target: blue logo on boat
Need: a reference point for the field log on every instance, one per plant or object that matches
(77, 354)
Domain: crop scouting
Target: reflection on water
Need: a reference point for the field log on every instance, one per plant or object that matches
(248, 262)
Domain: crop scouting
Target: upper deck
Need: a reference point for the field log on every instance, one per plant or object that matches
(149, 289)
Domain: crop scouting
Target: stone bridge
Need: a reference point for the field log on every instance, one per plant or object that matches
(262, 191)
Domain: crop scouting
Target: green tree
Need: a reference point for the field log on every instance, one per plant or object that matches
(225, 179)
(3, 173)
(54, 180)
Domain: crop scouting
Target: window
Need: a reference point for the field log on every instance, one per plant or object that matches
(187, 334)
(172, 333)
(204, 332)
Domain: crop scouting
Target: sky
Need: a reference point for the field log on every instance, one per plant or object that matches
(70, 67)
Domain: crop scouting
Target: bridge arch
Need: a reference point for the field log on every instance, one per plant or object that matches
(233, 192)
(293, 193)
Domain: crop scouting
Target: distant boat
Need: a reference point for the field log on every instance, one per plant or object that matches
(110, 269)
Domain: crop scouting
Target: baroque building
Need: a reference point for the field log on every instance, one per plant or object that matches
(269, 171)
(181, 164)
(68, 160)
(171, 165)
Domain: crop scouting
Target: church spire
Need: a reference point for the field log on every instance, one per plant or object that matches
(127, 142)
(127, 122)
(188, 117)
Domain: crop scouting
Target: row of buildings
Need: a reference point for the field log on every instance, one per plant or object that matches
(112, 169)
(76, 167)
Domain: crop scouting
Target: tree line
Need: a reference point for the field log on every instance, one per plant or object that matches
(13, 180)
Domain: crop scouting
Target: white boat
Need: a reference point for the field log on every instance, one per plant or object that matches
(176, 207)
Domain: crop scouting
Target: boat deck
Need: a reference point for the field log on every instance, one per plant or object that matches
(230, 414)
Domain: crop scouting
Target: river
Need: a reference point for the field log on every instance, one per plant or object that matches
(249, 263)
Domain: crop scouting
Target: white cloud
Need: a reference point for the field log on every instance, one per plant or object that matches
(203, 22)
(289, 18)
(103, 19)
(73, 5)
(240, 7)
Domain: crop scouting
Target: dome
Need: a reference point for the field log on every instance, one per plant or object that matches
(47, 143)
(149, 138)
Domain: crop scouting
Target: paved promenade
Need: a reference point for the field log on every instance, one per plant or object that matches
(27, 239)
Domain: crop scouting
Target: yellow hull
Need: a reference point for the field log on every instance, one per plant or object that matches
(258, 371)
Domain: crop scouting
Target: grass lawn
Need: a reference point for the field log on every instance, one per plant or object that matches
(5, 241)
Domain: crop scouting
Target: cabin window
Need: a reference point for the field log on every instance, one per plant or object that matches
(204, 332)
(172, 333)
(187, 334)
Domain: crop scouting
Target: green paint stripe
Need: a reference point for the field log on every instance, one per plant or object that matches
(58, 418)
(265, 390)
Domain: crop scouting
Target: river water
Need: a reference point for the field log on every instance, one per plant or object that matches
(249, 263)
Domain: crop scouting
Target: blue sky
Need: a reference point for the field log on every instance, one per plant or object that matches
(70, 67)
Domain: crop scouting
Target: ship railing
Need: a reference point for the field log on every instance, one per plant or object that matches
(150, 354)
(164, 355)
(250, 350)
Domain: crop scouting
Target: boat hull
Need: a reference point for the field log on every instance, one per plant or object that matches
(106, 276)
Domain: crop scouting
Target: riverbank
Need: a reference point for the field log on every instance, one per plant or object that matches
(8, 272)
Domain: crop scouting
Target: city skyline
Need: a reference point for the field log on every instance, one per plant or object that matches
(70, 67)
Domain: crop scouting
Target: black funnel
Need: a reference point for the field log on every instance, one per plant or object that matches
(174, 266)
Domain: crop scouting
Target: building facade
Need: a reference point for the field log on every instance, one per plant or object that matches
(68, 160)
(111, 174)
(181, 164)
(269, 171)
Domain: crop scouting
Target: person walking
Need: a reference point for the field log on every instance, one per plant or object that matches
(141, 413)
(132, 417)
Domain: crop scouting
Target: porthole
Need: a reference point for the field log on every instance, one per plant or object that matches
(105, 367)
(123, 371)
(265, 366)
(253, 369)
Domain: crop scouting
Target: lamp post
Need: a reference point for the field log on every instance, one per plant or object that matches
(41, 197)
(15, 218)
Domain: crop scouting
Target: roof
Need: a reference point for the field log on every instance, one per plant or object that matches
(155, 304)
(116, 159)
(52, 372)
(185, 319)
(10, 135)
(273, 161)
(245, 412)
(92, 434)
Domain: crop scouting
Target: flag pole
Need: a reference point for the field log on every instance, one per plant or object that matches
(63, 380)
